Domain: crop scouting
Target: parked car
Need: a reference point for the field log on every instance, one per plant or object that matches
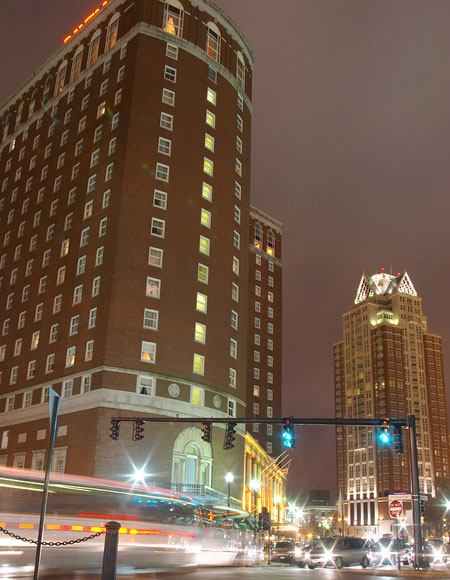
(283, 551)
(388, 550)
(339, 552)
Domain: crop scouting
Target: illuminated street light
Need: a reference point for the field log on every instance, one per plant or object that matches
(229, 479)
(139, 475)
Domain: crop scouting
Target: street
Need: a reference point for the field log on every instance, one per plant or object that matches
(273, 572)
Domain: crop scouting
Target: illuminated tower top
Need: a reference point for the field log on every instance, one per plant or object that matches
(382, 284)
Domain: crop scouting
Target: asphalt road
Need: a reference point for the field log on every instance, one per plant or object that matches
(273, 572)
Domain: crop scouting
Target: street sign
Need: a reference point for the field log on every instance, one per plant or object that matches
(400, 496)
(395, 508)
(227, 525)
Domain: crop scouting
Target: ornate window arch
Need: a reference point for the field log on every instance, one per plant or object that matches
(270, 243)
(94, 47)
(213, 41)
(76, 63)
(257, 236)
(173, 17)
(112, 32)
(191, 459)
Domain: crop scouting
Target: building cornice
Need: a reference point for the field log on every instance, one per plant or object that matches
(266, 218)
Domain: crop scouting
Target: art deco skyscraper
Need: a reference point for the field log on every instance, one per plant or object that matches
(388, 365)
(125, 250)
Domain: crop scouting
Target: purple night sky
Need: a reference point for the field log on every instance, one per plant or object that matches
(351, 148)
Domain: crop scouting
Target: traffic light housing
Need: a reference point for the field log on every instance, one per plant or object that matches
(397, 439)
(264, 520)
(207, 432)
(115, 430)
(230, 431)
(138, 430)
(384, 435)
(288, 433)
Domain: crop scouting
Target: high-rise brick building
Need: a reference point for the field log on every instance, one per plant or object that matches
(124, 248)
(388, 365)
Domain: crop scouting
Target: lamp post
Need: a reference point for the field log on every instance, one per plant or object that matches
(229, 479)
(254, 484)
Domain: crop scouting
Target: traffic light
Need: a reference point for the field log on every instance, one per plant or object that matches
(115, 429)
(138, 430)
(288, 433)
(422, 505)
(397, 439)
(207, 432)
(264, 519)
(384, 434)
(229, 436)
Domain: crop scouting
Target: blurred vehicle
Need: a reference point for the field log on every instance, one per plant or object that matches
(434, 551)
(283, 551)
(301, 553)
(389, 550)
(339, 552)
(160, 528)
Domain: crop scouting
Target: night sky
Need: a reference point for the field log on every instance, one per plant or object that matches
(351, 134)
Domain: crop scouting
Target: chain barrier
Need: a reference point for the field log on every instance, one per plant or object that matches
(68, 543)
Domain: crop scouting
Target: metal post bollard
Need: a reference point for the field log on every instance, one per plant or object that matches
(110, 551)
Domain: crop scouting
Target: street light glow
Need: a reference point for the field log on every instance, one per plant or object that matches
(229, 477)
(254, 484)
(139, 475)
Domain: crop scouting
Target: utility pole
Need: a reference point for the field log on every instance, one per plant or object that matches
(415, 491)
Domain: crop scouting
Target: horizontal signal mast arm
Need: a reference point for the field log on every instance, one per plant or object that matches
(295, 420)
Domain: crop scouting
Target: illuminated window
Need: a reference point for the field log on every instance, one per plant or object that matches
(151, 319)
(76, 63)
(111, 33)
(207, 191)
(61, 275)
(153, 287)
(211, 96)
(235, 292)
(60, 77)
(257, 236)
(209, 142)
(213, 41)
(148, 352)
(240, 70)
(197, 396)
(88, 209)
(155, 257)
(173, 17)
(199, 364)
(204, 245)
(205, 218)
(210, 119)
(208, 166)
(203, 273)
(65, 248)
(94, 47)
(200, 333)
(201, 302)
(70, 356)
(101, 109)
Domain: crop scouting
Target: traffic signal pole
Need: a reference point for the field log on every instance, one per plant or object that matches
(409, 423)
(415, 490)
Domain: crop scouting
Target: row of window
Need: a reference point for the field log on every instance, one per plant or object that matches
(258, 239)
(38, 459)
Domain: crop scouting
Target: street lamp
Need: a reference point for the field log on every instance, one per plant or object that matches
(229, 479)
(254, 484)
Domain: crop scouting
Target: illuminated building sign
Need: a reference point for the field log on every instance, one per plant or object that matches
(85, 21)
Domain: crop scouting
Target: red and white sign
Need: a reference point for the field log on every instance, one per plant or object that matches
(227, 524)
(395, 508)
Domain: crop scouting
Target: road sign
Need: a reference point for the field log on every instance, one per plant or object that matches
(400, 496)
(395, 508)
(227, 525)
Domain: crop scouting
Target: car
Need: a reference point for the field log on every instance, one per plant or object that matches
(434, 551)
(301, 553)
(390, 550)
(283, 551)
(339, 552)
